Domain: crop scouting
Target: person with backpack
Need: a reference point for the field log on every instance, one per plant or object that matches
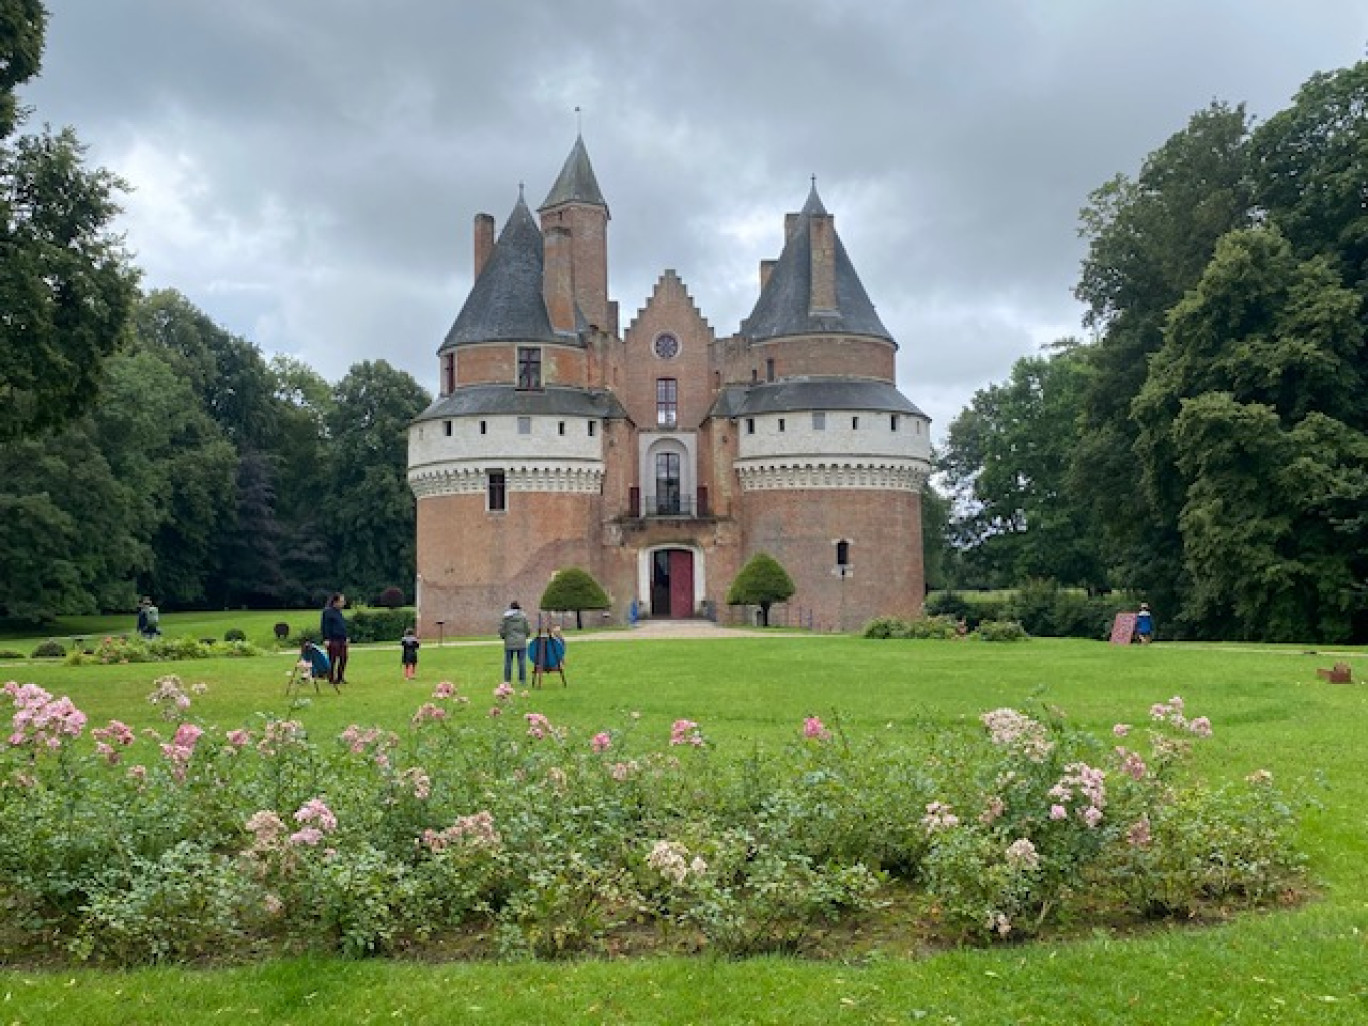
(149, 619)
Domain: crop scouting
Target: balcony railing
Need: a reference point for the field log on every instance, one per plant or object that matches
(668, 505)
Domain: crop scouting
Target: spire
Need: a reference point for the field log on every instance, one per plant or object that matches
(576, 183)
(812, 288)
(506, 302)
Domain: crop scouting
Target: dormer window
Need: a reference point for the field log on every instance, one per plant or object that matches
(529, 367)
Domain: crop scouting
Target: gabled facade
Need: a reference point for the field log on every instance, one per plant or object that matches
(660, 457)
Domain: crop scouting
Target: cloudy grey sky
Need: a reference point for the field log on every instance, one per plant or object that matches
(307, 171)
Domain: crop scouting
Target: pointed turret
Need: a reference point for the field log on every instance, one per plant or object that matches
(576, 183)
(506, 301)
(574, 221)
(813, 287)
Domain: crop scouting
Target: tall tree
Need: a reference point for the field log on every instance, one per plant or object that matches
(1006, 462)
(370, 511)
(302, 475)
(1309, 165)
(1259, 372)
(1148, 242)
(65, 285)
(228, 373)
(23, 24)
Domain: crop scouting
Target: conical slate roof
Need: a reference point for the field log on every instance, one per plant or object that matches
(783, 306)
(576, 183)
(506, 302)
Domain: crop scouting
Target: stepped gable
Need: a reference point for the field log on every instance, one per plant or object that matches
(669, 283)
(576, 183)
(785, 306)
(814, 393)
(506, 302)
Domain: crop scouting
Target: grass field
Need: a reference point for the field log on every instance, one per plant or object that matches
(1269, 710)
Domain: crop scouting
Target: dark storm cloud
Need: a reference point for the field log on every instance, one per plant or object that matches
(306, 171)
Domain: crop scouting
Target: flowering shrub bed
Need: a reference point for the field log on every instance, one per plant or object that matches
(484, 828)
(136, 650)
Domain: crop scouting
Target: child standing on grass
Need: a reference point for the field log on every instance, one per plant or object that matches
(408, 654)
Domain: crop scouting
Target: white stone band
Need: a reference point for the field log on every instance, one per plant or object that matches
(884, 476)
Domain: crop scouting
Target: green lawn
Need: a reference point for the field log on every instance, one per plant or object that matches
(1269, 710)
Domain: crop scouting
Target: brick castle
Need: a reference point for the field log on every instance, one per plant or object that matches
(660, 457)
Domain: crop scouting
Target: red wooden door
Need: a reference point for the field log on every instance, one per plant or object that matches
(681, 584)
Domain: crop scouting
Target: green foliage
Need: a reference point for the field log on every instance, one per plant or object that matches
(10, 653)
(573, 590)
(378, 624)
(934, 628)
(369, 511)
(1045, 610)
(761, 582)
(65, 284)
(50, 650)
(1006, 462)
(391, 598)
(234, 634)
(120, 649)
(1000, 630)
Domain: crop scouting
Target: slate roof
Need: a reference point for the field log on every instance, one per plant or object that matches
(506, 302)
(796, 394)
(576, 183)
(782, 308)
(553, 401)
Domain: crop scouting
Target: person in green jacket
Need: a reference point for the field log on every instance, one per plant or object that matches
(514, 629)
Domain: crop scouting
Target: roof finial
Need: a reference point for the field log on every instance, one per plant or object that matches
(579, 121)
(814, 181)
(520, 192)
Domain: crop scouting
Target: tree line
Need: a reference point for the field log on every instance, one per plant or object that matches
(146, 450)
(1207, 444)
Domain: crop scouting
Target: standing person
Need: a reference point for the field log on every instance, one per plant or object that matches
(1144, 624)
(514, 629)
(143, 603)
(334, 630)
(150, 618)
(408, 656)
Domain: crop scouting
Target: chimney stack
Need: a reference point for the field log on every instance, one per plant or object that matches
(559, 279)
(822, 235)
(766, 269)
(484, 241)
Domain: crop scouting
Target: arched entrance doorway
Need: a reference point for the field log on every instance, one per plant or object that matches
(672, 583)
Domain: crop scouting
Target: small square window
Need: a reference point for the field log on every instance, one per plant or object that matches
(560, 428)
(750, 425)
(781, 423)
(893, 422)
(446, 428)
(819, 420)
(854, 423)
(593, 428)
(524, 425)
(484, 428)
